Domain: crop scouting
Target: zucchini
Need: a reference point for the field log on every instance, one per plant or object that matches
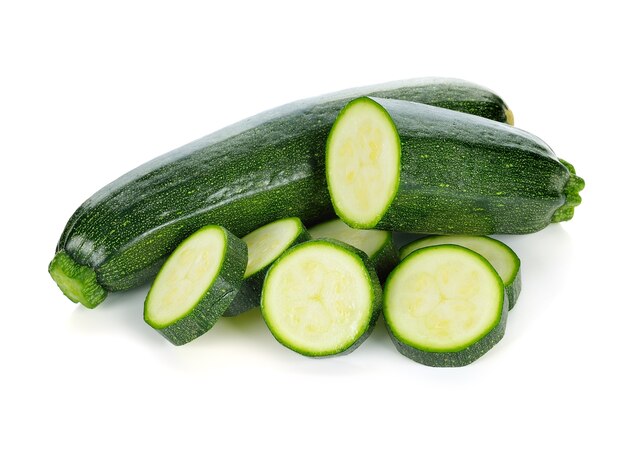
(265, 245)
(246, 175)
(444, 306)
(377, 244)
(404, 166)
(321, 298)
(502, 258)
(196, 284)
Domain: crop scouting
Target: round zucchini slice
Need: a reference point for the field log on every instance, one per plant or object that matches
(444, 306)
(502, 258)
(196, 284)
(377, 244)
(265, 245)
(321, 298)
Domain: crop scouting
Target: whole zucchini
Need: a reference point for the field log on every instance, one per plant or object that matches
(263, 168)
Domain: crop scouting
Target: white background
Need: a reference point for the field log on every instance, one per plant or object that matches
(90, 91)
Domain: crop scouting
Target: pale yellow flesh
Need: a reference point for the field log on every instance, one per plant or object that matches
(363, 161)
(317, 299)
(186, 276)
(443, 300)
(501, 260)
(369, 241)
(266, 244)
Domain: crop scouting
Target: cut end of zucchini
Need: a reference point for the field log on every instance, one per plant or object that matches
(369, 241)
(77, 282)
(363, 163)
(502, 258)
(186, 276)
(574, 185)
(442, 300)
(318, 298)
(509, 119)
(266, 243)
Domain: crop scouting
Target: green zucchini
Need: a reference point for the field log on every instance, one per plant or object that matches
(196, 284)
(265, 245)
(444, 306)
(404, 166)
(264, 168)
(321, 298)
(377, 244)
(502, 258)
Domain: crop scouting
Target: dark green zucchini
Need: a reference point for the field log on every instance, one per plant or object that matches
(261, 169)
(405, 166)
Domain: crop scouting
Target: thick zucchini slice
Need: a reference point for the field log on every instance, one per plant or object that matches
(265, 245)
(321, 298)
(444, 306)
(404, 166)
(502, 258)
(261, 169)
(196, 284)
(377, 244)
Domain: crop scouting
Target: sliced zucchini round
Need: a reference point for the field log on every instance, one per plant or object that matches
(444, 306)
(363, 163)
(502, 258)
(377, 244)
(321, 298)
(196, 284)
(265, 245)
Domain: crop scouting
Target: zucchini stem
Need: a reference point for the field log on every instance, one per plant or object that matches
(574, 185)
(77, 282)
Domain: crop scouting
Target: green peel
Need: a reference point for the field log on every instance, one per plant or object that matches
(76, 281)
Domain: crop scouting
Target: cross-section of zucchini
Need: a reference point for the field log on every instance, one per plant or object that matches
(196, 284)
(321, 298)
(265, 245)
(444, 306)
(377, 244)
(502, 258)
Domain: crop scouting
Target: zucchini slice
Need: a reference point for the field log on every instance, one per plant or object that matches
(377, 244)
(502, 258)
(404, 166)
(265, 245)
(321, 298)
(444, 306)
(196, 284)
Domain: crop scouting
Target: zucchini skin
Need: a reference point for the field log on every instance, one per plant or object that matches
(386, 259)
(462, 174)
(261, 169)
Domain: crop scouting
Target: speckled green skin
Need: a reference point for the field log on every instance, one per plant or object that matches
(377, 296)
(261, 169)
(462, 174)
(216, 299)
(386, 259)
(249, 295)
